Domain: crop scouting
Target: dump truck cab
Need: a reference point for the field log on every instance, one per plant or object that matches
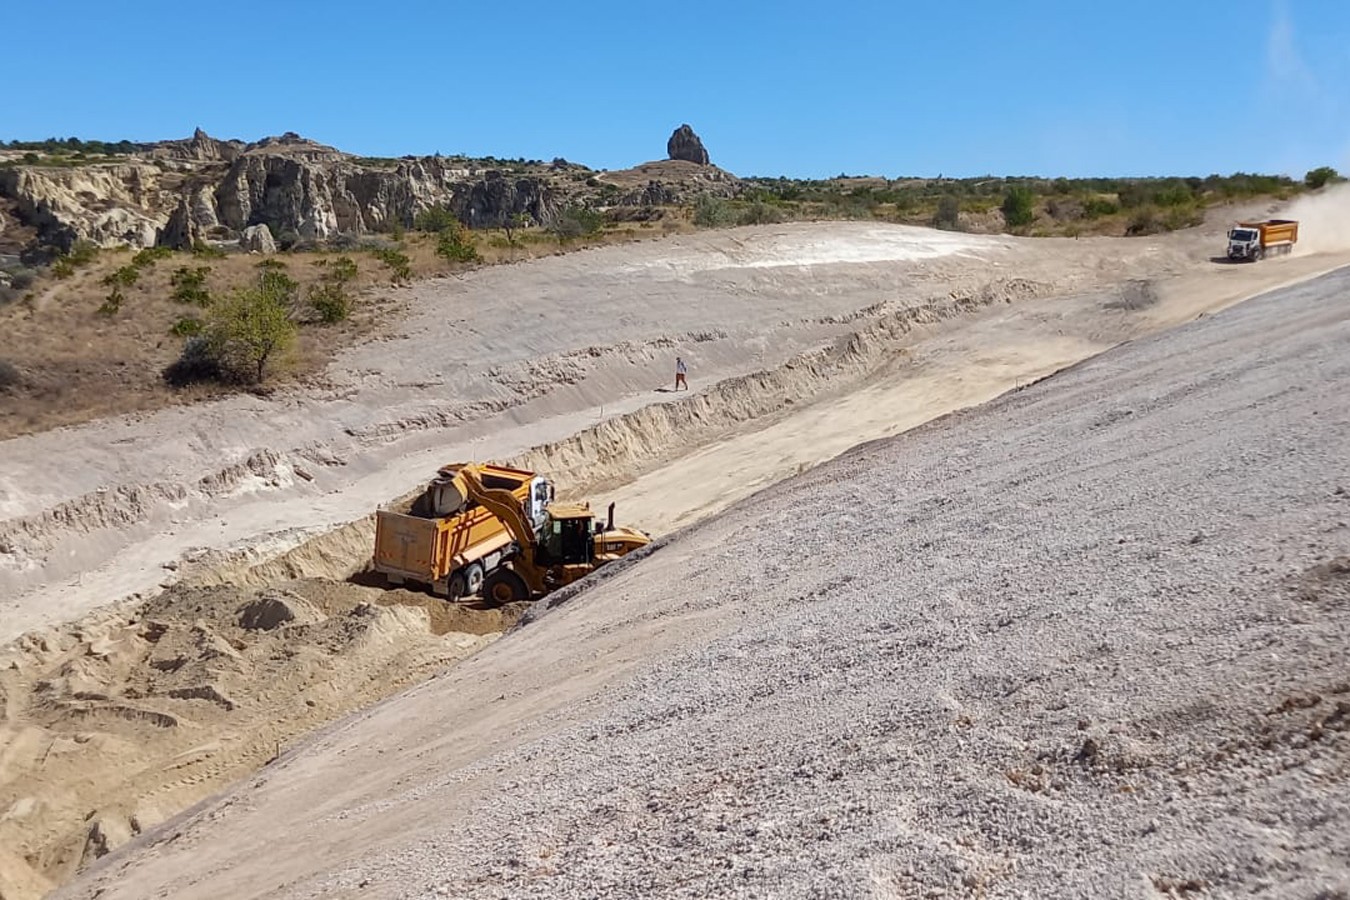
(1244, 243)
(1256, 240)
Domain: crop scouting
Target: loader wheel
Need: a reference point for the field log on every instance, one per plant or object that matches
(504, 586)
(473, 579)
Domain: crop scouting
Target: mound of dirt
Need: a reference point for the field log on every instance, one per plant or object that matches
(113, 725)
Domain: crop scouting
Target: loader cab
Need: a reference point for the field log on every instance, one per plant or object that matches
(567, 537)
(541, 495)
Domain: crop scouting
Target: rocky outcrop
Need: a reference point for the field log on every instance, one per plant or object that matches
(177, 193)
(686, 145)
(201, 147)
(257, 239)
(109, 205)
(495, 199)
(316, 195)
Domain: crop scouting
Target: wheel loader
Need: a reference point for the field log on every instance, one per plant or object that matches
(493, 529)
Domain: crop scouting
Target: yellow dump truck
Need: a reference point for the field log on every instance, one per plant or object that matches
(1254, 240)
(448, 542)
(495, 530)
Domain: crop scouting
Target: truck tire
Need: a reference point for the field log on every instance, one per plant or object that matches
(504, 586)
(457, 587)
(473, 579)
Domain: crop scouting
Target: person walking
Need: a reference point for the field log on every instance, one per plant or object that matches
(680, 372)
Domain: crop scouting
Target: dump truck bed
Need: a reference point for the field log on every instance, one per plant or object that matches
(1275, 232)
(412, 542)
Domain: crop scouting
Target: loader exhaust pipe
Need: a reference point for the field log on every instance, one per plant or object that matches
(609, 522)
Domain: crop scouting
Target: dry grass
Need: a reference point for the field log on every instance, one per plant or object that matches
(76, 364)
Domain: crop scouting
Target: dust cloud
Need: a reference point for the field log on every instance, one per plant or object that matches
(1324, 220)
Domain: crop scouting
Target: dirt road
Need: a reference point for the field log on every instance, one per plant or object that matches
(1087, 640)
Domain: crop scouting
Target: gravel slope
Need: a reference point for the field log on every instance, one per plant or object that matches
(1088, 640)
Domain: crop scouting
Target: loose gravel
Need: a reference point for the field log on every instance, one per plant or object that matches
(1088, 640)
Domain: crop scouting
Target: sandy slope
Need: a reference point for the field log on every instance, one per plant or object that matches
(510, 358)
(837, 334)
(1087, 640)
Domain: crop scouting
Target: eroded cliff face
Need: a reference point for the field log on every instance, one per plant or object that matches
(203, 189)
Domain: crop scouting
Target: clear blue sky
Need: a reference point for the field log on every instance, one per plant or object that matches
(801, 89)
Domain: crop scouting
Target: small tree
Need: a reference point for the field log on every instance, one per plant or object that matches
(1019, 207)
(455, 244)
(434, 219)
(1321, 177)
(400, 267)
(251, 328)
(513, 223)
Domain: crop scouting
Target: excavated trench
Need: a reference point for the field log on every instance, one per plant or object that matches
(141, 709)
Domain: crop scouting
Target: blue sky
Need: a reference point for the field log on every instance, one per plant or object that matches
(792, 88)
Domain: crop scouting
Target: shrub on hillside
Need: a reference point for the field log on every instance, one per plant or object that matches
(712, 212)
(759, 213)
(1019, 207)
(112, 304)
(149, 256)
(455, 244)
(948, 215)
(1096, 207)
(189, 285)
(1321, 177)
(125, 276)
(197, 363)
(577, 221)
(434, 219)
(400, 267)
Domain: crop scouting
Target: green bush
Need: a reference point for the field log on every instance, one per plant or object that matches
(434, 218)
(250, 329)
(713, 212)
(276, 283)
(455, 244)
(187, 326)
(400, 267)
(203, 250)
(9, 375)
(62, 268)
(1019, 207)
(82, 253)
(577, 221)
(149, 256)
(1096, 207)
(126, 276)
(1321, 177)
(1143, 221)
(758, 213)
(189, 285)
(329, 302)
(341, 270)
(329, 298)
(112, 304)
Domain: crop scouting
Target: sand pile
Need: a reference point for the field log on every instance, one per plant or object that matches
(110, 727)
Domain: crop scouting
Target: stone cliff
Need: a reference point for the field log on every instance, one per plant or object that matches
(181, 192)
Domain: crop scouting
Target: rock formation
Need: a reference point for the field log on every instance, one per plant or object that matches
(177, 193)
(686, 145)
(257, 239)
(491, 202)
